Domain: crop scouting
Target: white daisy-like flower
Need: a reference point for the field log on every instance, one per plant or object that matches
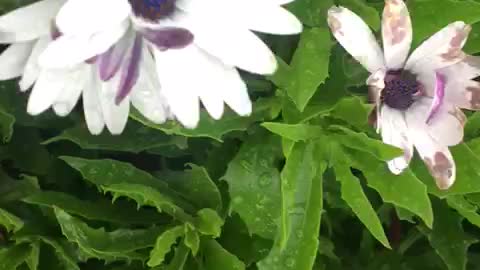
(418, 97)
(30, 30)
(196, 44)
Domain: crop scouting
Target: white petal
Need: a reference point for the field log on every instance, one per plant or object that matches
(30, 22)
(90, 16)
(48, 87)
(70, 95)
(445, 127)
(14, 59)
(32, 69)
(70, 50)
(233, 45)
(178, 76)
(355, 36)
(91, 104)
(146, 94)
(394, 131)
(115, 116)
(441, 50)
(396, 33)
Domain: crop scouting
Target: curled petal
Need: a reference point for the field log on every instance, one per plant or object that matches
(168, 37)
(130, 70)
(438, 96)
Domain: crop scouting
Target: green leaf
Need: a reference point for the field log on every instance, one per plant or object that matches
(254, 184)
(297, 132)
(448, 238)
(353, 111)
(296, 244)
(13, 257)
(34, 257)
(311, 12)
(368, 14)
(135, 138)
(10, 221)
(97, 243)
(214, 129)
(208, 222)
(106, 172)
(195, 185)
(465, 208)
(361, 142)
(429, 16)
(192, 239)
(164, 244)
(180, 258)
(216, 257)
(6, 125)
(352, 193)
(12, 189)
(309, 67)
(96, 210)
(404, 190)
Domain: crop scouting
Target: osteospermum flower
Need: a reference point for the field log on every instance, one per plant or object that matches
(418, 98)
(196, 44)
(29, 30)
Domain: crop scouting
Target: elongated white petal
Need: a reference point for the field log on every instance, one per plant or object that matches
(396, 33)
(29, 22)
(47, 88)
(91, 104)
(355, 36)
(178, 76)
(32, 69)
(394, 132)
(14, 59)
(86, 17)
(441, 50)
(233, 45)
(72, 90)
(115, 116)
(70, 50)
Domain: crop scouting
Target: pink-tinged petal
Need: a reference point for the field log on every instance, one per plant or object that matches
(394, 132)
(464, 94)
(441, 50)
(438, 97)
(355, 36)
(130, 70)
(110, 61)
(396, 33)
(168, 37)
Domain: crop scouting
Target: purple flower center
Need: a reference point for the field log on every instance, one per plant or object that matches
(152, 10)
(400, 89)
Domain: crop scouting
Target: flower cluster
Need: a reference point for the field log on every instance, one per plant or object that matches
(161, 56)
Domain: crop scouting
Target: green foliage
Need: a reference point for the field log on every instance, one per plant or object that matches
(299, 184)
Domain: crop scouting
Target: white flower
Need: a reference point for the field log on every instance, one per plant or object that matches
(196, 44)
(30, 29)
(418, 97)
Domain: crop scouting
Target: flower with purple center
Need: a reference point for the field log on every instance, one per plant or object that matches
(418, 97)
(29, 30)
(197, 47)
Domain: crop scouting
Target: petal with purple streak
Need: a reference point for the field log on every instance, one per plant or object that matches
(439, 94)
(130, 70)
(110, 61)
(168, 37)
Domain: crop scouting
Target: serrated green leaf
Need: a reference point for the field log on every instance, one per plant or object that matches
(214, 129)
(216, 257)
(11, 222)
(96, 210)
(352, 193)
(192, 239)
(254, 184)
(180, 258)
(121, 244)
(13, 257)
(448, 238)
(34, 257)
(297, 238)
(295, 132)
(164, 244)
(309, 66)
(208, 222)
(353, 111)
(135, 138)
(465, 208)
(361, 142)
(195, 185)
(404, 190)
